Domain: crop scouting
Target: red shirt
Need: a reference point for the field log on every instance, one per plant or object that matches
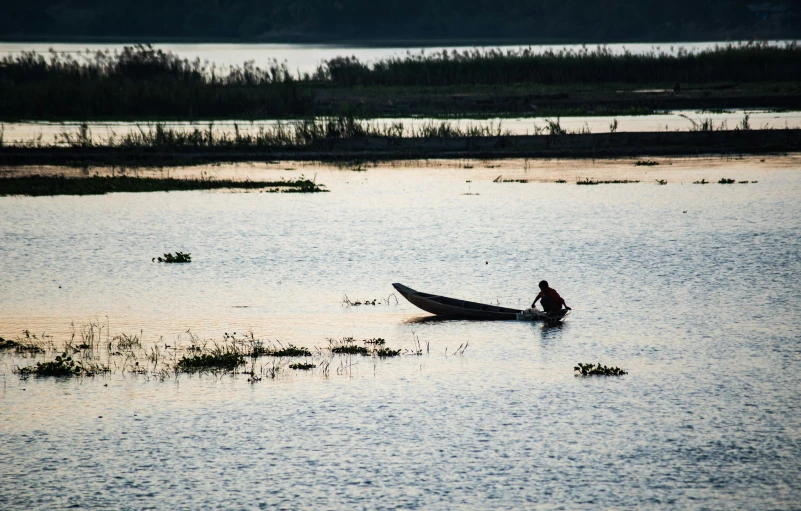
(552, 294)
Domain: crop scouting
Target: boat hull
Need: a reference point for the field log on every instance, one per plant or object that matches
(454, 307)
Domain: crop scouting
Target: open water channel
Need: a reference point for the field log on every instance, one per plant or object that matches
(693, 289)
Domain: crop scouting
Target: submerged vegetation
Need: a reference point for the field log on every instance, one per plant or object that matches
(98, 185)
(142, 82)
(598, 370)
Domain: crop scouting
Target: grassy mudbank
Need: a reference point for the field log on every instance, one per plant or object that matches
(99, 185)
(145, 83)
(370, 147)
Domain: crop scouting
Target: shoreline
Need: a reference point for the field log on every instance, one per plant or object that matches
(381, 148)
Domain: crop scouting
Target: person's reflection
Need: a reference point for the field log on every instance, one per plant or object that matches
(550, 331)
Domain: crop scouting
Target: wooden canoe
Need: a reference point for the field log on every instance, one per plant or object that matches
(454, 307)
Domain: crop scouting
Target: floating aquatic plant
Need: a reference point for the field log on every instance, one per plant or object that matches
(350, 349)
(661, 181)
(302, 367)
(288, 351)
(646, 163)
(701, 182)
(588, 181)
(598, 370)
(226, 359)
(179, 257)
(724, 181)
(386, 352)
(62, 366)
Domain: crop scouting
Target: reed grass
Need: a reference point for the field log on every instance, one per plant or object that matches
(733, 62)
(145, 82)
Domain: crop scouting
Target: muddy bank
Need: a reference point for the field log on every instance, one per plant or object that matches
(596, 145)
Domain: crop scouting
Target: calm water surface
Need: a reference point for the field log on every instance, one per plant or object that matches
(693, 289)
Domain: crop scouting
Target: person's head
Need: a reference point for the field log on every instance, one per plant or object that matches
(543, 285)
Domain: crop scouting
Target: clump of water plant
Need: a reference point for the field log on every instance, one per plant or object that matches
(302, 367)
(348, 346)
(661, 181)
(288, 351)
(7, 344)
(221, 358)
(588, 181)
(350, 349)
(62, 366)
(598, 370)
(20, 346)
(386, 352)
(725, 181)
(560, 181)
(646, 163)
(36, 185)
(375, 301)
(179, 257)
(701, 182)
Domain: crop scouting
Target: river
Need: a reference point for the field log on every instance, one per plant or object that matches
(693, 289)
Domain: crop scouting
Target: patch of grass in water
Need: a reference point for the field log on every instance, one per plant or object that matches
(37, 185)
(646, 163)
(7, 344)
(348, 346)
(350, 349)
(62, 367)
(560, 181)
(288, 351)
(302, 367)
(220, 359)
(386, 352)
(588, 181)
(701, 182)
(598, 370)
(661, 181)
(20, 347)
(724, 181)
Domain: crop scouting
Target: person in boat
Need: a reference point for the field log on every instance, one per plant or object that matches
(551, 301)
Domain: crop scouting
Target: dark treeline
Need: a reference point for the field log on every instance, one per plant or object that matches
(143, 82)
(365, 20)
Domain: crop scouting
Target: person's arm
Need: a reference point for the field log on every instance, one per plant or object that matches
(535, 300)
(561, 301)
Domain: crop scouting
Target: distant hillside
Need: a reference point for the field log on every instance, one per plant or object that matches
(399, 20)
